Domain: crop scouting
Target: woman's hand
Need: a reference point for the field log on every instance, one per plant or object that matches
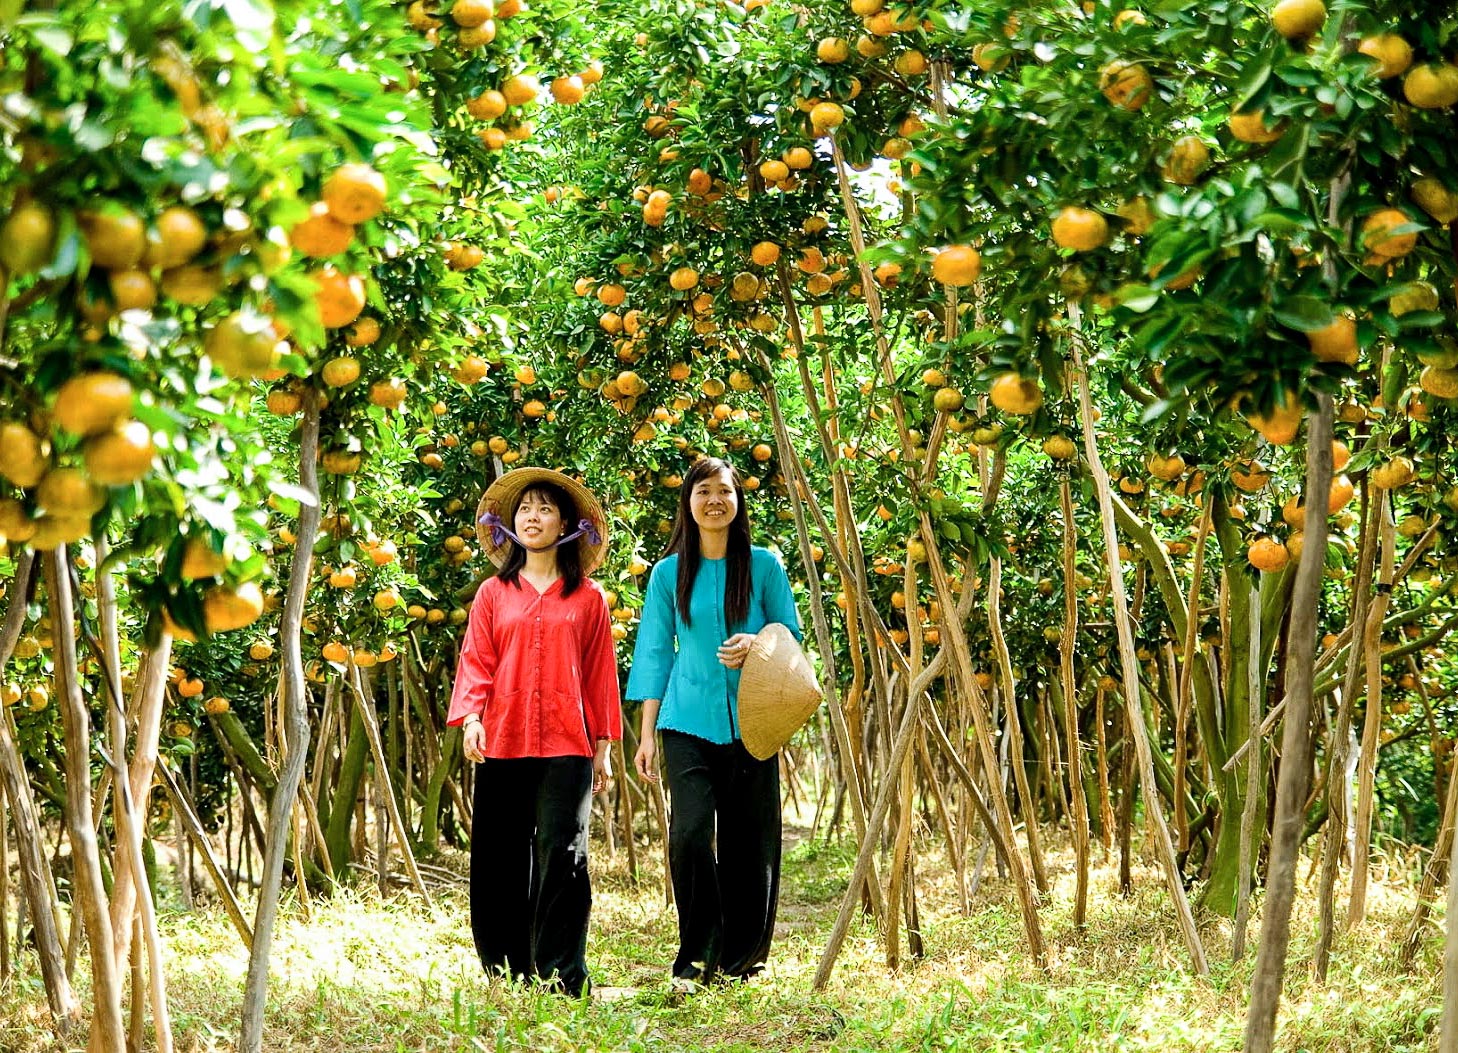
(733, 651)
(474, 741)
(645, 760)
(602, 766)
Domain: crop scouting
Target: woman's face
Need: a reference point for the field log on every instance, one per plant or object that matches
(538, 521)
(713, 502)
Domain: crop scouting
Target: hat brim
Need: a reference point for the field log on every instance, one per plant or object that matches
(502, 496)
(778, 691)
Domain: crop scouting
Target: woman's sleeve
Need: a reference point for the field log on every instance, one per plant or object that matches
(779, 599)
(601, 702)
(476, 670)
(653, 652)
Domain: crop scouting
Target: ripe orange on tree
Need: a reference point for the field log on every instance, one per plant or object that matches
(340, 297)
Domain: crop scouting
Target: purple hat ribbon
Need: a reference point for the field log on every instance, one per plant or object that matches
(500, 534)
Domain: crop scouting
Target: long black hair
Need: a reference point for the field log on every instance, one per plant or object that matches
(684, 541)
(569, 556)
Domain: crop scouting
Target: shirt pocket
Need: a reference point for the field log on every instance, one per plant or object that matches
(562, 719)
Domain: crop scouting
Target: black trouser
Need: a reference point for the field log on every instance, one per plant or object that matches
(726, 898)
(530, 891)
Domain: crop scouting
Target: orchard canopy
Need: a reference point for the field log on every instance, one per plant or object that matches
(1092, 369)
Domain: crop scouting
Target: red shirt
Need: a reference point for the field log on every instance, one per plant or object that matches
(539, 670)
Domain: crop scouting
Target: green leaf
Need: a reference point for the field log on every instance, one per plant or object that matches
(1305, 313)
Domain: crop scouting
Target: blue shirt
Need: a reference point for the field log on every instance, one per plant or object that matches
(699, 694)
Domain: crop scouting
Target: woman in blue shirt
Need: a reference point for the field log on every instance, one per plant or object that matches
(706, 599)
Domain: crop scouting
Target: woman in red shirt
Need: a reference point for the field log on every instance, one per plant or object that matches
(536, 693)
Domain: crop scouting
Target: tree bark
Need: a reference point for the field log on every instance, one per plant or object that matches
(108, 1034)
(296, 732)
(1296, 741)
(1078, 818)
(34, 875)
(1134, 726)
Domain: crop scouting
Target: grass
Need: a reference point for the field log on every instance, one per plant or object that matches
(365, 973)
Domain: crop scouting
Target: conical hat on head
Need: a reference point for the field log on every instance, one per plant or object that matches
(777, 691)
(501, 498)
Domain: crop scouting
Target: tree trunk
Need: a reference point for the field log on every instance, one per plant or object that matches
(29, 851)
(108, 1034)
(1135, 730)
(1296, 742)
(1078, 819)
(296, 733)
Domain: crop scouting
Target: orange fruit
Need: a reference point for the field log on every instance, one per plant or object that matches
(825, 116)
(340, 297)
(178, 234)
(200, 560)
(116, 237)
(365, 331)
(1432, 87)
(16, 526)
(568, 91)
(1251, 127)
(341, 462)
(611, 295)
(120, 456)
(1080, 229)
(470, 13)
(1336, 342)
(477, 36)
(910, 64)
(283, 403)
(1377, 233)
(355, 192)
(27, 238)
(991, 57)
(487, 106)
(226, 609)
(798, 158)
(68, 493)
(832, 50)
(1280, 426)
(1188, 158)
(1435, 199)
(774, 170)
(23, 455)
(388, 394)
(132, 290)
(243, 344)
(683, 279)
(1016, 394)
(1393, 474)
(192, 285)
(1267, 554)
(948, 400)
(1298, 19)
(957, 265)
(338, 372)
(321, 233)
(1126, 84)
(520, 89)
(92, 403)
(1166, 468)
(1392, 52)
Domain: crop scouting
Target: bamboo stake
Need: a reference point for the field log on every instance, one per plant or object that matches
(1106, 798)
(182, 808)
(360, 688)
(1254, 772)
(1335, 843)
(1184, 699)
(1134, 722)
(1014, 725)
(1296, 744)
(296, 728)
(108, 1035)
(1078, 820)
(1372, 726)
